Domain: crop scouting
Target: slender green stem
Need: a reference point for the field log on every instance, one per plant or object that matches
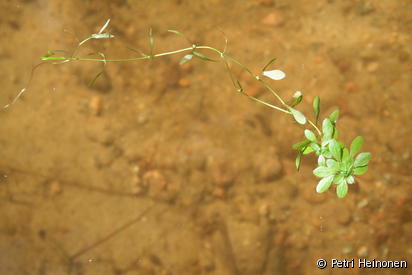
(224, 56)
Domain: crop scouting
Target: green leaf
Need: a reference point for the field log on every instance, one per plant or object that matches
(339, 179)
(327, 128)
(176, 32)
(298, 98)
(298, 159)
(181, 34)
(342, 189)
(307, 150)
(333, 164)
(203, 57)
(268, 64)
(356, 145)
(362, 159)
(54, 58)
(334, 116)
(324, 184)
(323, 171)
(298, 116)
(345, 155)
(316, 107)
(95, 78)
(350, 180)
(360, 170)
(310, 135)
(335, 133)
(321, 160)
(185, 58)
(335, 149)
(300, 145)
(315, 147)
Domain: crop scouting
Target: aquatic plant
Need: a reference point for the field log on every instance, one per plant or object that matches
(336, 163)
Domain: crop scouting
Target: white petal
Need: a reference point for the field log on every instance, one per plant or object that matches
(297, 94)
(275, 74)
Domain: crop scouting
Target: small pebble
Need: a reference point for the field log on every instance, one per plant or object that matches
(363, 252)
(264, 210)
(55, 188)
(183, 82)
(96, 105)
(363, 203)
(364, 7)
(351, 87)
(219, 192)
(274, 19)
(137, 190)
(372, 67)
(344, 217)
(347, 249)
(253, 92)
(155, 180)
(186, 67)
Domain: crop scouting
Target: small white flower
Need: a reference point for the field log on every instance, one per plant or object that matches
(297, 94)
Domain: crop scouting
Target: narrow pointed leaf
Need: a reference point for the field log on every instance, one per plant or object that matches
(298, 116)
(324, 184)
(342, 189)
(298, 160)
(274, 74)
(300, 145)
(176, 32)
(95, 78)
(268, 64)
(316, 107)
(307, 150)
(362, 159)
(356, 145)
(54, 58)
(203, 57)
(104, 26)
(185, 58)
(151, 41)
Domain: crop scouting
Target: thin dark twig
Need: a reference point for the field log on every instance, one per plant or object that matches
(111, 235)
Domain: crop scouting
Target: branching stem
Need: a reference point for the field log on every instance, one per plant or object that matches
(193, 48)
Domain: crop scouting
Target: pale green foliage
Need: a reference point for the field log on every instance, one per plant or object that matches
(336, 164)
